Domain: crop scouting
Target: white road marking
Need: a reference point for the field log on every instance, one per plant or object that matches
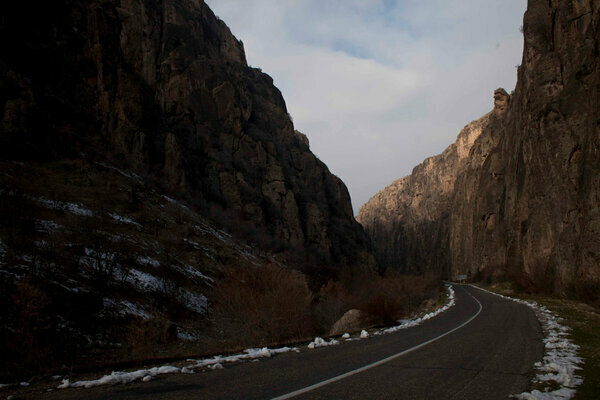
(377, 363)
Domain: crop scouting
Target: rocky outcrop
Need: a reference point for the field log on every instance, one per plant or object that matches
(351, 321)
(163, 87)
(524, 201)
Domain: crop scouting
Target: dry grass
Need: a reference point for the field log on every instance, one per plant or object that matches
(26, 346)
(259, 305)
(541, 278)
(383, 299)
(145, 337)
(333, 300)
(395, 296)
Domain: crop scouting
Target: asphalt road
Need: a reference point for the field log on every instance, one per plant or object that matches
(482, 348)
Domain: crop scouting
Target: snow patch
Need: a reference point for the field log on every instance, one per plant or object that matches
(42, 244)
(130, 175)
(144, 281)
(144, 260)
(224, 237)
(559, 394)
(364, 334)
(123, 220)
(73, 208)
(249, 354)
(193, 272)
(173, 201)
(129, 308)
(146, 375)
(320, 342)
(193, 301)
(45, 226)
(560, 360)
(121, 377)
(187, 336)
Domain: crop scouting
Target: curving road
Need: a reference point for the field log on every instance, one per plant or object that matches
(483, 347)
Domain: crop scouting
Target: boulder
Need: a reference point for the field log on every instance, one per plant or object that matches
(351, 321)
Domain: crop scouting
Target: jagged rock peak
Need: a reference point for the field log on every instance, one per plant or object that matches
(501, 100)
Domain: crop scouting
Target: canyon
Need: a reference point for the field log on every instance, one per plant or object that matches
(517, 196)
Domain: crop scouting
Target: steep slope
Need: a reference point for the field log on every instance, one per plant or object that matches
(525, 202)
(142, 164)
(97, 266)
(163, 88)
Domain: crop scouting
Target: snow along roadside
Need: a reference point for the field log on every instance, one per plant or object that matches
(409, 323)
(560, 359)
(404, 324)
(216, 362)
(146, 375)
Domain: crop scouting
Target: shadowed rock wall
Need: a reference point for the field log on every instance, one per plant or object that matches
(163, 87)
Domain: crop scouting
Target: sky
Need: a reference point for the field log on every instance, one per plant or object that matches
(380, 85)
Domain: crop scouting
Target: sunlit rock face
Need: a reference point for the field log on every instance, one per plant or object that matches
(164, 88)
(519, 196)
(408, 221)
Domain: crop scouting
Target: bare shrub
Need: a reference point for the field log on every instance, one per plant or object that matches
(586, 290)
(145, 337)
(392, 296)
(170, 296)
(28, 343)
(540, 279)
(257, 305)
(333, 301)
(487, 274)
(100, 263)
(383, 298)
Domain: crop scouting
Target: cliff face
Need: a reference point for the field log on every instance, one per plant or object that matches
(409, 219)
(163, 87)
(525, 202)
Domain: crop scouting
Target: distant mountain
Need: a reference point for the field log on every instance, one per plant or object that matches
(518, 195)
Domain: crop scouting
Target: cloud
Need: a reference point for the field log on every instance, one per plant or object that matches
(379, 85)
(324, 85)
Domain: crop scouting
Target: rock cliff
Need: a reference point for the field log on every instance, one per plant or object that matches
(409, 219)
(163, 88)
(518, 195)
